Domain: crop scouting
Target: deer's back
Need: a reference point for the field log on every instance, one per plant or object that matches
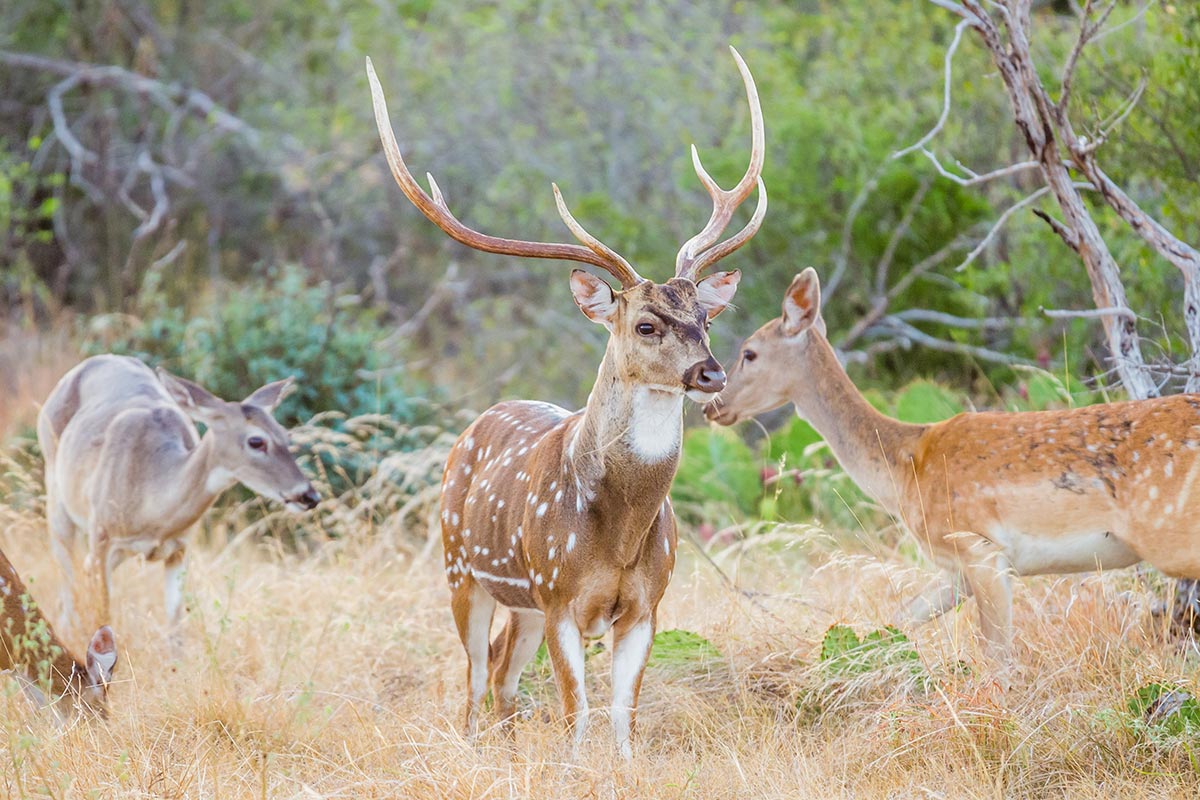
(109, 415)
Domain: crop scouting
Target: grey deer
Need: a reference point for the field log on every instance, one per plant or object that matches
(127, 468)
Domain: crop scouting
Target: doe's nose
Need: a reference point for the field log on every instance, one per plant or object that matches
(309, 499)
(706, 376)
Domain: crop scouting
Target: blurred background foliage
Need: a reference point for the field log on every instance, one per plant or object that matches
(201, 184)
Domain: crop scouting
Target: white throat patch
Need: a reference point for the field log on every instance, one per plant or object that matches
(219, 480)
(655, 424)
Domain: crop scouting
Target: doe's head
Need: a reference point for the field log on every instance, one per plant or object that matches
(758, 381)
(249, 444)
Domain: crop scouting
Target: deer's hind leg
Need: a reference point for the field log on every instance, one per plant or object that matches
(473, 609)
(511, 651)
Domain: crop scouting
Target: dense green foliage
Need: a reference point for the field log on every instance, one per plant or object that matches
(501, 98)
(234, 343)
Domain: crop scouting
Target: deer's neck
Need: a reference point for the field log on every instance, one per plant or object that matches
(874, 449)
(625, 450)
(185, 491)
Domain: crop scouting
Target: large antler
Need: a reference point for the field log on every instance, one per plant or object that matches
(701, 251)
(594, 252)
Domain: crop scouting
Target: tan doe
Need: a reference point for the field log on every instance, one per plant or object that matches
(31, 651)
(126, 466)
(563, 517)
(989, 495)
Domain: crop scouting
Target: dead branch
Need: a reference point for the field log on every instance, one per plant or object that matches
(1087, 313)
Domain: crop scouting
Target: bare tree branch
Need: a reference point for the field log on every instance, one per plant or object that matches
(897, 327)
(1088, 313)
(948, 70)
(973, 177)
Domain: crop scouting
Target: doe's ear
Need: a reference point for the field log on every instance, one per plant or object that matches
(594, 297)
(802, 303)
(102, 656)
(270, 396)
(715, 292)
(196, 401)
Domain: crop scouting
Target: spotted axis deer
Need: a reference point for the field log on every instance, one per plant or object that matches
(126, 466)
(563, 517)
(989, 495)
(31, 651)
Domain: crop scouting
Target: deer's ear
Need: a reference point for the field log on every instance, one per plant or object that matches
(802, 303)
(594, 297)
(715, 292)
(197, 402)
(102, 656)
(270, 396)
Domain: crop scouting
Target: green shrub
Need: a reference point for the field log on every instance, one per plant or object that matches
(237, 339)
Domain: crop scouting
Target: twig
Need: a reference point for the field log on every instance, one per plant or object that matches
(1087, 313)
(973, 177)
(898, 326)
(948, 77)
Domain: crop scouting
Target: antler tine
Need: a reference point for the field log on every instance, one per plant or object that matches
(438, 212)
(618, 266)
(695, 255)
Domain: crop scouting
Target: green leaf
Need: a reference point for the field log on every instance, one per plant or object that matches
(925, 401)
(682, 651)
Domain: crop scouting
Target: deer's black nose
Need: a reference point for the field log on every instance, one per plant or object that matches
(706, 376)
(309, 499)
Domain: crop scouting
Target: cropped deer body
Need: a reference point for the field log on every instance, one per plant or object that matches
(30, 649)
(989, 495)
(563, 517)
(126, 466)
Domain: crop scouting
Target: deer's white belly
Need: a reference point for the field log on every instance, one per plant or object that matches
(1073, 551)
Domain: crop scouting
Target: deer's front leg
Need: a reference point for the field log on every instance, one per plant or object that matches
(97, 568)
(988, 574)
(934, 603)
(631, 649)
(565, 645)
(173, 577)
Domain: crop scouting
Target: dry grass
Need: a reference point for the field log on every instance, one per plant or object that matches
(31, 362)
(337, 674)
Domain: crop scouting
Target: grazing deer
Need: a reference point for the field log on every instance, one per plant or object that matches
(125, 464)
(563, 517)
(989, 494)
(29, 648)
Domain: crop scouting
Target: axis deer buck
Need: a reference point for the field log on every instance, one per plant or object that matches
(126, 466)
(31, 651)
(989, 495)
(563, 517)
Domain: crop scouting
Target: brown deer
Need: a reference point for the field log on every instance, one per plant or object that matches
(989, 495)
(125, 464)
(563, 517)
(41, 662)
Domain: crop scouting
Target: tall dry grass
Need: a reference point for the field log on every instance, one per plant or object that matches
(338, 674)
(31, 362)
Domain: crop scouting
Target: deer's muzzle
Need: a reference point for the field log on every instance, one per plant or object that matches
(706, 376)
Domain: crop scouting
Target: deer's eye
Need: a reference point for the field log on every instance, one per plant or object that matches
(645, 328)
(749, 355)
(257, 443)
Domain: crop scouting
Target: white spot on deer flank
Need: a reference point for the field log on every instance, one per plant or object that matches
(551, 553)
(1169, 468)
(1153, 492)
(541, 511)
(571, 541)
